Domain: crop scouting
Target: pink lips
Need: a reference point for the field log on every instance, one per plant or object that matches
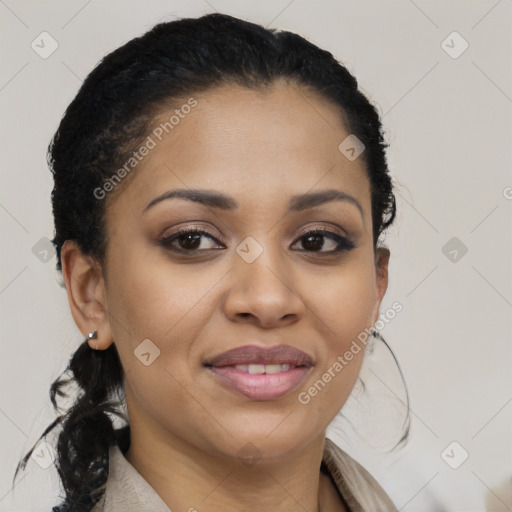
(261, 373)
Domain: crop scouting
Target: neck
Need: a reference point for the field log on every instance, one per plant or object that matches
(187, 478)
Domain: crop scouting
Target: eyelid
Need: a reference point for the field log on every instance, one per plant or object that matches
(167, 239)
(326, 228)
(344, 242)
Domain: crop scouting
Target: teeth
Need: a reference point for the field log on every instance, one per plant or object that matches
(258, 369)
(273, 368)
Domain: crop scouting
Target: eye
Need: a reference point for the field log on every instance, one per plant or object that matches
(188, 239)
(313, 241)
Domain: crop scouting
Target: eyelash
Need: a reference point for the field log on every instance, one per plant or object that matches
(344, 244)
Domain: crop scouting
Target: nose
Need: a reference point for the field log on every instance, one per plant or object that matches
(263, 292)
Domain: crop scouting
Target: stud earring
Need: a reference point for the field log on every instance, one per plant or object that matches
(93, 335)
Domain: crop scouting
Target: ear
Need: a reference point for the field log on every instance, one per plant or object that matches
(87, 298)
(381, 279)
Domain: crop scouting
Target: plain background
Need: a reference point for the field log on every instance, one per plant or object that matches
(449, 125)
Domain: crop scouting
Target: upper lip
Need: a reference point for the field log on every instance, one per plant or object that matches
(252, 354)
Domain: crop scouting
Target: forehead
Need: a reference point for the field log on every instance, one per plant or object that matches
(261, 146)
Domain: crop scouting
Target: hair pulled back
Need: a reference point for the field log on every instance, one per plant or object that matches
(111, 113)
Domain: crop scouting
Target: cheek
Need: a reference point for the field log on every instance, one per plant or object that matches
(344, 304)
(151, 300)
(167, 307)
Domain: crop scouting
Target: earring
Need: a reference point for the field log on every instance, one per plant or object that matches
(93, 335)
(370, 346)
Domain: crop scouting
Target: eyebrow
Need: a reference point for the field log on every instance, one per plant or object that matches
(297, 203)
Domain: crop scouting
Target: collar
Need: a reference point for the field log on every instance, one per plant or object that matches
(127, 490)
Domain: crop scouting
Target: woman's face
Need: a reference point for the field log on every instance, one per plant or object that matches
(251, 281)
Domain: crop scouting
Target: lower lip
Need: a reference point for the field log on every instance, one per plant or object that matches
(263, 386)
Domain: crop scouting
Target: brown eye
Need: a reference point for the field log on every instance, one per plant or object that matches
(188, 240)
(314, 241)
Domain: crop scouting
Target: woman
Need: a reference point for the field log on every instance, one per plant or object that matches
(220, 192)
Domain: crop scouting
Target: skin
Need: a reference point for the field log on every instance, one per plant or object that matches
(260, 148)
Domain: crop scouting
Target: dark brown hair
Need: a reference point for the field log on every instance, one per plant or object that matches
(101, 128)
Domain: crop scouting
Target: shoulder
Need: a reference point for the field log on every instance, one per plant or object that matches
(359, 488)
(126, 490)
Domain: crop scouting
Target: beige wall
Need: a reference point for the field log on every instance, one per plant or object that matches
(449, 125)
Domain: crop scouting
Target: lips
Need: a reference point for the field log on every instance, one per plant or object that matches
(252, 354)
(261, 373)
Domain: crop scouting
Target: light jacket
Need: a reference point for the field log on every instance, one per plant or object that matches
(127, 491)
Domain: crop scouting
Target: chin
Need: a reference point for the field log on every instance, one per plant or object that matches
(269, 437)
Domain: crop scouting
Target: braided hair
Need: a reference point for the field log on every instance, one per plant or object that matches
(109, 117)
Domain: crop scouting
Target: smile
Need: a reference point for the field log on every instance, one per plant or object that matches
(261, 373)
